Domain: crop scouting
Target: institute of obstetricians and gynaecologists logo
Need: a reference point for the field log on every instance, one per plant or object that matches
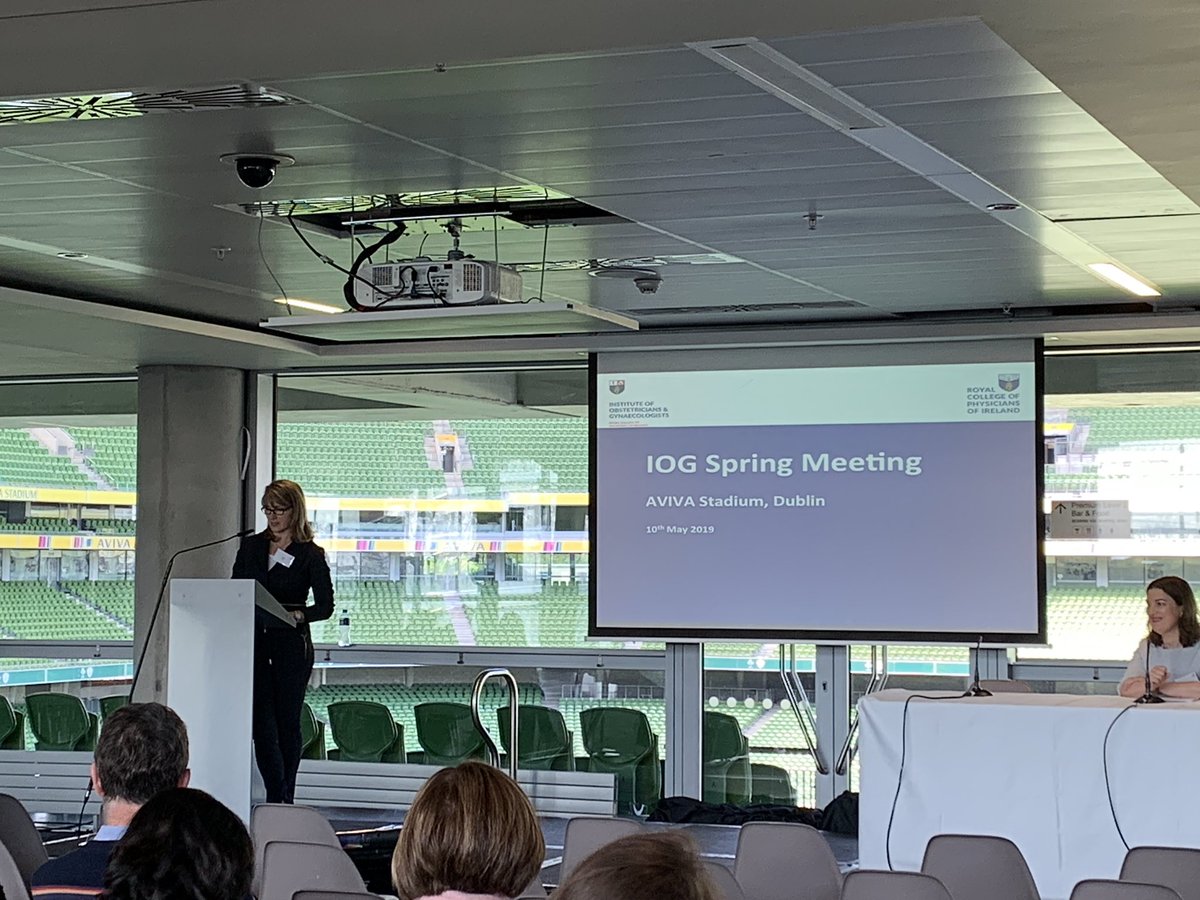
(616, 387)
(1008, 383)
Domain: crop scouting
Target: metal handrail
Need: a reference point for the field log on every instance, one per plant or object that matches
(477, 696)
(878, 682)
(801, 706)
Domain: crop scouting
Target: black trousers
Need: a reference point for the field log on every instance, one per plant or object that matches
(283, 661)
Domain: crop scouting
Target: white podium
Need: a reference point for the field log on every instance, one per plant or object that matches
(210, 679)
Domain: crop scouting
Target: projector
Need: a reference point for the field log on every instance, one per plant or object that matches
(426, 283)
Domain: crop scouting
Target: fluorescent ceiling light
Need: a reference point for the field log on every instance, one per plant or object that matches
(792, 83)
(309, 305)
(1114, 274)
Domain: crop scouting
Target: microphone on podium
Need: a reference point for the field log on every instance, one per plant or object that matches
(162, 590)
(1148, 696)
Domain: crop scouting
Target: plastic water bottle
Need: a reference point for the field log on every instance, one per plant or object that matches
(344, 629)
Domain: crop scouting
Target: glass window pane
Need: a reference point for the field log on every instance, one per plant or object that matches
(449, 517)
(67, 521)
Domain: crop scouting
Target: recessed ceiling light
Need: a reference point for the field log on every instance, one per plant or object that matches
(311, 305)
(1114, 274)
(71, 254)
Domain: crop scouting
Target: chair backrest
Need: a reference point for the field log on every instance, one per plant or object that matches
(785, 861)
(284, 822)
(20, 838)
(110, 704)
(979, 867)
(289, 868)
(535, 890)
(615, 734)
(8, 719)
(447, 733)
(310, 727)
(1175, 867)
(362, 729)
(332, 895)
(1099, 889)
(12, 885)
(771, 784)
(723, 738)
(866, 884)
(1006, 686)
(586, 834)
(542, 730)
(727, 886)
(58, 721)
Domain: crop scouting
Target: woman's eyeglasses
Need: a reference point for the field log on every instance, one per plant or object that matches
(276, 510)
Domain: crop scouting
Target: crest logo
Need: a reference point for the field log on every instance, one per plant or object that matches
(1009, 383)
(616, 387)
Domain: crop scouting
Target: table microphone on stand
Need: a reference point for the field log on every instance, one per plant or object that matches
(1148, 696)
(976, 689)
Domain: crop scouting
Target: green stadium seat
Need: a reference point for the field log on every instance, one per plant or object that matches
(545, 743)
(771, 784)
(447, 734)
(619, 740)
(12, 727)
(365, 732)
(60, 722)
(726, 757)
(109, 705)
(312, 735)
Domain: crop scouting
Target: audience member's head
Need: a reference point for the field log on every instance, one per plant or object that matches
(470, 829)
(182, 845)
(142, 749)
(654, 866)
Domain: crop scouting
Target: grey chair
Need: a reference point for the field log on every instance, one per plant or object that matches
(289, 868)
(20, 837)
(535, 891)
(1099, 889)
(1175, 867)
(979, 867)
(332, 895)
(784, 861)
(284, 822)
(727, 886)
(1006, 686)
(867, 884)
(587, 834)
(12, 885)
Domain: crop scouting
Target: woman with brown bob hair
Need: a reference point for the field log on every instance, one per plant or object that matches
(284, 560)
(1172, 647)
(471, 830)
(653, 866)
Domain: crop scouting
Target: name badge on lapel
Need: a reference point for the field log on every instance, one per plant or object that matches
(283, 558)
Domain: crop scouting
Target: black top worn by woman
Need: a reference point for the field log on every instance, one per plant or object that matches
(288, 584)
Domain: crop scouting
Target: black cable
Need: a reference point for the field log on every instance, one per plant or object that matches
(352, 272)
(900, 775)
(1107, 784)
(87, 795)
(545, 244)
(421, 248)
(263, 256)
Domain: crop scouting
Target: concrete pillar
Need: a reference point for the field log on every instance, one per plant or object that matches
(685, 721)
(191, 451)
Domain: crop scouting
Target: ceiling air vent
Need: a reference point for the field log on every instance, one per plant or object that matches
(128, 104)
(741, 309)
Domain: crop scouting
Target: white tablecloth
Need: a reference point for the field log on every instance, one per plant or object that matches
(1029, 767)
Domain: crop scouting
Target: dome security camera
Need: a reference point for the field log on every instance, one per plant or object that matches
(648, 284)
(256, 170)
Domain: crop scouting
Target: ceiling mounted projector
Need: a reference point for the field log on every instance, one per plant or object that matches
(417, 284)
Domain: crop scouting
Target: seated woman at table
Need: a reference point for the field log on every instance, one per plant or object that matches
(1174, 644)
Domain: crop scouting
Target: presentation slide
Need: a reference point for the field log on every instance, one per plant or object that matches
(853, 496)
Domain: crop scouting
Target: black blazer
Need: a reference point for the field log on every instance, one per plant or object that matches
(289, 584)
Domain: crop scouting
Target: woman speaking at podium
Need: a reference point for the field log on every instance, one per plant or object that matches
(285, 561)
(1171, 651)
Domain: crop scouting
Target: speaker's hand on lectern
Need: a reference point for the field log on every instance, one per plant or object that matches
(1158, 675)
(298, 615)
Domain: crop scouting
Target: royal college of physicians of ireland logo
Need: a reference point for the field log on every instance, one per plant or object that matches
(1009, 383)
(616, 387)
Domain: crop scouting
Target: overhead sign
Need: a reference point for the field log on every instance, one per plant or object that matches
(1089, 520)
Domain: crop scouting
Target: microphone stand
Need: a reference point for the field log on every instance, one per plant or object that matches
(976, 689)
(162, 590)
(1148, 696)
